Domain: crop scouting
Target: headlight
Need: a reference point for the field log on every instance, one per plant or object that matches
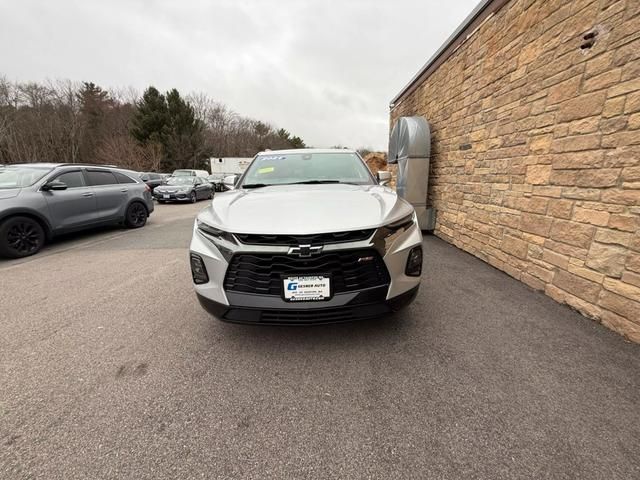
(208, 229)
(198, 270)
(385, 236)
(414, 262)
(403, 223)
(224, 241)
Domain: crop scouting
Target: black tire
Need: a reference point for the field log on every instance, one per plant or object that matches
(20, 237)
(193, 198)
(210, 194)
(136, 215)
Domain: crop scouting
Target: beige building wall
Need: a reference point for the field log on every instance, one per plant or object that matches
(536, 150)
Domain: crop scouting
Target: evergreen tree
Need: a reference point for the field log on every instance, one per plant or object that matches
(169, 121)
(297, 142)
(151, 122)
(95, 105)
(185, 142)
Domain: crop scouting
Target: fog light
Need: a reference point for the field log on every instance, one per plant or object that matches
(198, 270)
(414, 262)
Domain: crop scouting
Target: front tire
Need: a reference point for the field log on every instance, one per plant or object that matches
(20, 237)
(193, 198)
(136, 215)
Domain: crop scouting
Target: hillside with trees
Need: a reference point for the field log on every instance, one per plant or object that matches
(65, 121)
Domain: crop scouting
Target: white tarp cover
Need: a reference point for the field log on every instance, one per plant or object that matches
(410, 138)
(410, 148)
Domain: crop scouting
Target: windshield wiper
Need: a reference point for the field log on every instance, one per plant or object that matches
(314, 182)
(256, 185)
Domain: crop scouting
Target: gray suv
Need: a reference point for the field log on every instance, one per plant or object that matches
(41, 200)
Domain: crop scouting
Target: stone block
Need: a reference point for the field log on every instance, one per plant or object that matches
(538, 174)
(606, 259)
(576, 285)
(594, 217)
(585, 105)
(573, 233)
(536, 224)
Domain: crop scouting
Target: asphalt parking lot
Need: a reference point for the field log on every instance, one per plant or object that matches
(109, 368)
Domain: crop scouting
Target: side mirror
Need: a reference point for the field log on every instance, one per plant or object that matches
(384, 177)
(54, 185)
(229, 182)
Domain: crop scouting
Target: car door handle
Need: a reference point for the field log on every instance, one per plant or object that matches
(88, 194)
(124, 190)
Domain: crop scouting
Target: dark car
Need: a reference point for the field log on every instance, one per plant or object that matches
(152, 179)
(216, 179)
(183, 189)
(41, 200)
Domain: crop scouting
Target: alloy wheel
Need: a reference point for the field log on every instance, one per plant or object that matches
(137, 215)
(24, 237)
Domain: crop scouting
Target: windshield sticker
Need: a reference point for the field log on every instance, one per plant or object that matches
(266, 170)
(273, 157)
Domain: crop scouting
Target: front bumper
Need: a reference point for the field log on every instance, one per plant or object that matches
(262, 310)
(172, 197)
(234, 306)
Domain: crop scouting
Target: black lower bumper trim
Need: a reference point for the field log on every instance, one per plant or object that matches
(309, 314)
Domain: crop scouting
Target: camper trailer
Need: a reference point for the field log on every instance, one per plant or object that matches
(229, 165)
(222, 167)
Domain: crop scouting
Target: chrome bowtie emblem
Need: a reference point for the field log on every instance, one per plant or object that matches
(305, 251)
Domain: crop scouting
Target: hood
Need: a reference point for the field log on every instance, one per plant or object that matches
(298, 209)
(9, 192)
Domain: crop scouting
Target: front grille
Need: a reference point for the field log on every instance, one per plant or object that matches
(261, 273)
(315, 239)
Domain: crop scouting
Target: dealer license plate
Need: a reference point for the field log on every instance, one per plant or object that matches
(307, 288)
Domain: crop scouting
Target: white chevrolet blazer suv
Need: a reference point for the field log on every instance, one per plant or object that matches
(306, 236)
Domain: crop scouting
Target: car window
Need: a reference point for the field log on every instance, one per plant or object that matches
(18, 176)
(278, 169)
(101, 177)
(122, 178)
(72, 179)
(181, 180)
(154, 176)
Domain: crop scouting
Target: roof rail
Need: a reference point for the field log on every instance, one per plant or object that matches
(81, 164)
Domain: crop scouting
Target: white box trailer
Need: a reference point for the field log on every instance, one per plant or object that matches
(229, 165)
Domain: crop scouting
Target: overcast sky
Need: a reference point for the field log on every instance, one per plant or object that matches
(324, 70)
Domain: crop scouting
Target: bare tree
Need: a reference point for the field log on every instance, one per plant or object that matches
(65, 121)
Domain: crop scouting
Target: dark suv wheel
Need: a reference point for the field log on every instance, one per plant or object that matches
(136, 215)
(20, 237)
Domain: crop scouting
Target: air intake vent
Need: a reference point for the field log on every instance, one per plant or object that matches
(295, 240)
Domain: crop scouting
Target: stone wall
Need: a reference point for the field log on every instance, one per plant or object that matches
(536, 150)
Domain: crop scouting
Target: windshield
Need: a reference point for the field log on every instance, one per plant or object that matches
(184, 180)
(180, 173)
(304, 167)
(21, 176)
